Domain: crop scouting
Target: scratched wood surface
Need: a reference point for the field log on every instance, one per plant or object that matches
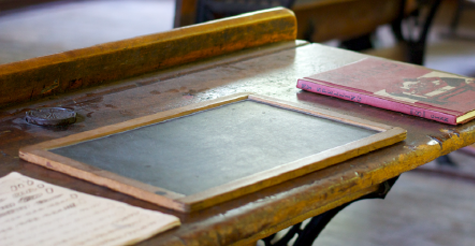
(270, 70)
(203, 154)
(272, 73)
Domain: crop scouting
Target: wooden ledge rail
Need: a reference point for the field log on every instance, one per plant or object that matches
(38, 77)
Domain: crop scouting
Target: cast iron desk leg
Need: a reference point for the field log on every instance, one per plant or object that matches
(308, 234)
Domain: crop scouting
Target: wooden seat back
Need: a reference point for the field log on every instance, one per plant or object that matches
(325, 20)
(320, 21)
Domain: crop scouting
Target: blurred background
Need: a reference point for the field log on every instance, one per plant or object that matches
(432, 205)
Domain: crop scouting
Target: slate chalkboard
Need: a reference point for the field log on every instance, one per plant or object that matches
(193, 156)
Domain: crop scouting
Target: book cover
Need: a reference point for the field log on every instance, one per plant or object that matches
(399, 87)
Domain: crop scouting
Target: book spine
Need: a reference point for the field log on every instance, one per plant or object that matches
(376, 102)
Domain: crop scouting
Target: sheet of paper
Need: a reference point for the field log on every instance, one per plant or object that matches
(33, 212)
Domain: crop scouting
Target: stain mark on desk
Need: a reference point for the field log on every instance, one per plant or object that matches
(88, 102)
(173, 90)
(451, 132)
(436, 139)
(49, 89)
(411, 147)
(31, 95)
(126, 113)
(75, 83)
(110, 106)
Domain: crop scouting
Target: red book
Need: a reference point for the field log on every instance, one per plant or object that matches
(400, 87)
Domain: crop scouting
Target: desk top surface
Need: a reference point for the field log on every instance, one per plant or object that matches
(271, 71)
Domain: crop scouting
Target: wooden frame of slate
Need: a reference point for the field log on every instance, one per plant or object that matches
(203, 154)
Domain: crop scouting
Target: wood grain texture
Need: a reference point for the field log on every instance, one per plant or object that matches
(100, 177)
(273, 74)
(42, 155)
(291, 170)
(405, 212)
(39, 77)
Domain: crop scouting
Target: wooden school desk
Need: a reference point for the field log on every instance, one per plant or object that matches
(255, 53)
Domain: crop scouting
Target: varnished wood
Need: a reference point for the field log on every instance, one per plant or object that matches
(323, 20)
(45, 76)
(41, 155)
(273, 72)
(343, 19)
(318, 208)
(185, 12)
(267, 70)
(403, 217)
